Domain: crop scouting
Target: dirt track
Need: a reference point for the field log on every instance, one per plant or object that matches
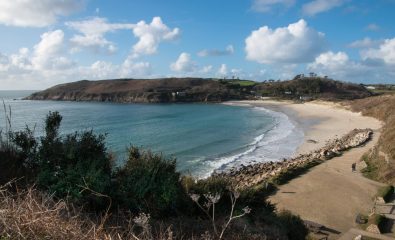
(331, 194)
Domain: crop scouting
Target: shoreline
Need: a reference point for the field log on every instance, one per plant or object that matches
(320, 121)
(330, 194)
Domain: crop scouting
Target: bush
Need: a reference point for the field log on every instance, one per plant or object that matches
(386, 193)
(73, 166)
(293, 226)
(148, 182)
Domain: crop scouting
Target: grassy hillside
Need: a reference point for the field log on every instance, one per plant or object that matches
(148, 90)
(312, 87)
(381, 161)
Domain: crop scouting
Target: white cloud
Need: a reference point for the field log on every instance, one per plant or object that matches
(150, 35)
(365, 43)
(130, 68)
(340, 66)
(267, 5)
(229, 50)
(184, 63)
(47, 53)
(207, 69)
(385, 52)
(223, 70)
(317, 6)
(93, 31)
(296, 43)
(36, 13)
(47, 64)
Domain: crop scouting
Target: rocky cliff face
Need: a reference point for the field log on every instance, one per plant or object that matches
(143, 91)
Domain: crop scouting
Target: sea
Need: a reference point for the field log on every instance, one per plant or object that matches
(202, 137)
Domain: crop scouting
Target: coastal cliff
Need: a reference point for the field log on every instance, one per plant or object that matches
(146, 91)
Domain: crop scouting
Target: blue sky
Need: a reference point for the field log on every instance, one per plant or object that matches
(47, 42)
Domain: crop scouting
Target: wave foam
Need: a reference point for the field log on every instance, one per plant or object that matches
(281, 141)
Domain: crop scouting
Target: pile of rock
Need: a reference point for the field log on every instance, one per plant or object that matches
(251, 175)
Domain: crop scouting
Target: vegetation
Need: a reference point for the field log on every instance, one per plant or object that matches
(312, 87)
(386, 193)
(381, 160)
(149, 90)
(79, 194)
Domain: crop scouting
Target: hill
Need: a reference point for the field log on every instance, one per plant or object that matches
(381, 160)
(200, 90)
(147, 90)
(312, 88)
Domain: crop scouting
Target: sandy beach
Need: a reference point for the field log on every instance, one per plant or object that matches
(321, 121)
(329, 194)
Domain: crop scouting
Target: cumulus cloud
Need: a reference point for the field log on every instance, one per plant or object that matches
(47, 64)
(150, 35)
(131, 68)
(92, 34)
(223, 70)
(48, 52)
(385, 52)
(296, 43)
(337, 65)
(229, 50)
(36, 13)
(205, 69)
(267, 5)
(184, 64)
(340, 66)
(93, 31)
(365, 43)
(317, 6)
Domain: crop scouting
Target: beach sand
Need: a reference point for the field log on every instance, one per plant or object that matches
(330, 193)
(320, 120)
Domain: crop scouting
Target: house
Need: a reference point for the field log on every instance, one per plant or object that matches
(370, 87)
(305, 98)
(181, 94)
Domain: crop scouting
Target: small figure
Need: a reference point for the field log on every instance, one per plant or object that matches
(353, 167)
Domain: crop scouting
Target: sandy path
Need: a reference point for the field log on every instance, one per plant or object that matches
(329, 194)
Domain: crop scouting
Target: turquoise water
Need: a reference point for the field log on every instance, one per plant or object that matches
(203, 137)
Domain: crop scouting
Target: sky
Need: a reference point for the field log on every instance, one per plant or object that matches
(49, 42)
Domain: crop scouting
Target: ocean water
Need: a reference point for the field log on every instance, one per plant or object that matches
(203, 137)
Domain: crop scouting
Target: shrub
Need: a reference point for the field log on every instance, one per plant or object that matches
(293, 226)
(148, 182)
(386, 193)
(74, 166)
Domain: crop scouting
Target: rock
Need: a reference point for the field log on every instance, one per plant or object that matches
(373, 228)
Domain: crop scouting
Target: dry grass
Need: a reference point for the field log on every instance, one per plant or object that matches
(382, 158)
(29, 214)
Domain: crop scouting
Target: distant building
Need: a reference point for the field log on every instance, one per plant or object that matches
(305, 98)
(288, 92)
(370, 87)
(181, 94)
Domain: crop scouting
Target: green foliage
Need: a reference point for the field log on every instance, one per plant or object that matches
(148, 182)
(315, 87)
(212, 184)
(386, 192)
(73, 166)
(371, 169)
(293, 226)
